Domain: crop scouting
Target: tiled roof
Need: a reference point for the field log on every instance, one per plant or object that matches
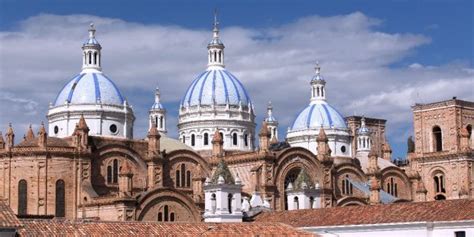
(102, 228)
(7, 217)
(450, 210)
(50, 141)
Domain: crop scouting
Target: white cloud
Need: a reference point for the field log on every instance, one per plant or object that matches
(273, 63)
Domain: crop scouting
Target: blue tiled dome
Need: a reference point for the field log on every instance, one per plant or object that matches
(157, 106)
(363, 131)
(317, 114)
(216, 84)
(90, 88)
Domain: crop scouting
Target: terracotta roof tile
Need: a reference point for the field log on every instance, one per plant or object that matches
(450, 210)
(7, 217)
(57, 227)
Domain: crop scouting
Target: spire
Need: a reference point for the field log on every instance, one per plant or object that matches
(82, 124)
(30, 134)
(223, 173)
(157, 95)
(322, 137)
(217, 144)
(215, 30)
(91, 57)
(215, 47)
(318, 85)
(10, 135)
(42, 136)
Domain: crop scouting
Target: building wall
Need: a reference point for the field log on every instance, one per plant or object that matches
(41, 175)
(452, 163)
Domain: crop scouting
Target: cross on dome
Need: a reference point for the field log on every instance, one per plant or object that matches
(215, 47)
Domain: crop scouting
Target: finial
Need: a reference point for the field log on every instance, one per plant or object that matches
(157, 95)
(317, 68)
(216, 23)
(215, 30)
(91, 30)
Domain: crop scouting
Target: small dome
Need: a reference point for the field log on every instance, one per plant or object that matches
(363, 131)
(319, 114)
(216, 84)
(157, 106)
(90, 88)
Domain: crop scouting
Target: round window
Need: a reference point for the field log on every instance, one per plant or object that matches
(56, 129)
(343, 149)
(113, 128)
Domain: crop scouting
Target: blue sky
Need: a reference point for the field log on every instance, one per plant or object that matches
(417, 43)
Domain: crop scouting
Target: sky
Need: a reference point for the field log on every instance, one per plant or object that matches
(378, 57)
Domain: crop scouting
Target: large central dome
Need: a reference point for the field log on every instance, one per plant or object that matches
(216, 86)
(216, 101)
(90, 88)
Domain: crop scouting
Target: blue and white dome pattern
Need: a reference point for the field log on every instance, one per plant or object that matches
(363, 131)
(319, 114)
(270, 119)
(91, 41)
(216, 84)
(157, 106)
(90, 88)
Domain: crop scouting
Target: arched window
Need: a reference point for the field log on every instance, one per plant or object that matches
(95, 58)
(184, 139)
(213, 203)
(234, 139)
(160, 216)
(90, 58)
(222, 135)
(229, 202)
(215, 56)
(322, 91)
(161, 122)
(166, 213)
(112, 172)
(290, 178)
(206, 139)
(156, 121)
(220, 56)
(178, 178)
(60, 199)
(346, 186)
(317, 91)
(439, 186)
(172, 216)
(392, 187)
(297, 203)
(246, 139)
(437, 139)
(311, 202)
(193, 139)
(188, 179)
(22, 197)
(183, 177)
(469, 131)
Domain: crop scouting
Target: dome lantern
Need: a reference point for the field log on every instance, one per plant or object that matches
(318, 84)
(91, 56)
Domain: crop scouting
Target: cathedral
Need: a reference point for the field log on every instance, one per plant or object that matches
(86, 162)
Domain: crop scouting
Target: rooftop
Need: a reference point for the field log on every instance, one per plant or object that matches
(449, 210)
(7, 217)
(62, 227)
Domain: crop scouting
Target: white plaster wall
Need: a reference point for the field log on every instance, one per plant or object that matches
(420, 229)
(98, 117)
(336, 139)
